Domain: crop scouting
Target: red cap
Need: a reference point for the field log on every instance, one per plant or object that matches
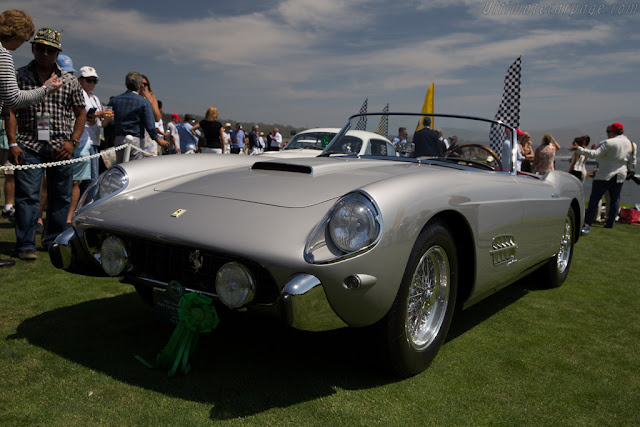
(175, 116)
(617, 128)
(519, 132)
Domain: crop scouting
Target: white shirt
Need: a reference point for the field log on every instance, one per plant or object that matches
(276, 140)
(173, 130)
(91, 133)
(614, 157)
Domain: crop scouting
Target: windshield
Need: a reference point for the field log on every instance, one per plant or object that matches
(466, 141)
(310, 140)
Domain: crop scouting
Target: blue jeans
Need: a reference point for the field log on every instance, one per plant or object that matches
(27, 199)
(598, 189)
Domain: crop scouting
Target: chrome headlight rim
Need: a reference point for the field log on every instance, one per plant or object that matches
(320, 238)
(94, 195)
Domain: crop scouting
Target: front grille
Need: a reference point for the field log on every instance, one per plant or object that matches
(164, 262)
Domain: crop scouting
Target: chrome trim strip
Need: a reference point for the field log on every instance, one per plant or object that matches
(97, 184)
(160, 284)
(308, 251)
(61, 252)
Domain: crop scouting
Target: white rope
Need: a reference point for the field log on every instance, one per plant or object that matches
(76, 160)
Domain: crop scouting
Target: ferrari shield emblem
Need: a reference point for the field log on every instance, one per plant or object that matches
(177, 213)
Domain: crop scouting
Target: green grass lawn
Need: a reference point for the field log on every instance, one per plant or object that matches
(525, 356)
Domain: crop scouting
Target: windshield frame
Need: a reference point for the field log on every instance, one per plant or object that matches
(512, 135)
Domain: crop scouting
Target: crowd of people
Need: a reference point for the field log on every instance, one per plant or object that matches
(51, 115)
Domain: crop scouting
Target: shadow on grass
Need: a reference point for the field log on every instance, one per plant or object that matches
(478, 313)
(246, 366)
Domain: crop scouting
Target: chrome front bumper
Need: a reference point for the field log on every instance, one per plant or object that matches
(302, 303)
(62, 252)
(305, 305)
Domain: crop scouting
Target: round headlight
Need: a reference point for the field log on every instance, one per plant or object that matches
(235, 285)
(353, 226)
(113, 256)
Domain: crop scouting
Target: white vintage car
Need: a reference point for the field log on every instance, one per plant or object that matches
(336, 240)
(311, 143)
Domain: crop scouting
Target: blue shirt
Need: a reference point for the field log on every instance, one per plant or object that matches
(133, 115)
(188, 140)
(239, 134)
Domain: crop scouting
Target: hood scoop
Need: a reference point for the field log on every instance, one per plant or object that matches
(282, 167)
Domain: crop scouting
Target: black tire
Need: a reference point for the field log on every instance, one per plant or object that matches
(555, 271)
(410, 348)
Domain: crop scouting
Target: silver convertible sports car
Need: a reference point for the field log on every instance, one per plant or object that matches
(335, 241)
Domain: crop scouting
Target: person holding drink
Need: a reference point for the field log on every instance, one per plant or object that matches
(97, 117)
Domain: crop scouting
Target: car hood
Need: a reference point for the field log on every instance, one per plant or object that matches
(299, 183)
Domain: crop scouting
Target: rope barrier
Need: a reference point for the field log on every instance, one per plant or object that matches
(78, 159)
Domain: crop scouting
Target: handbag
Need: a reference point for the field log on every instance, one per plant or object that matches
(630, 215)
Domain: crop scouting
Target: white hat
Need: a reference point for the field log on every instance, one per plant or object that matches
(88, 72)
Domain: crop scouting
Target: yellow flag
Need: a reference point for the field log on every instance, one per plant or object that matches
(427, 107)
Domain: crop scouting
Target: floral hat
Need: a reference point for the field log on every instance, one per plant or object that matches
(48, 37)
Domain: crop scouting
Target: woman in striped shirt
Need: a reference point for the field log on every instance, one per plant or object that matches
(16, 28)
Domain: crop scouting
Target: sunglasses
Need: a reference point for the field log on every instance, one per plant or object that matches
(145, 84)
(91, 81)
(40, 48)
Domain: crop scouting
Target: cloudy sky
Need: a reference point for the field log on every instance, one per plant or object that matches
(311, 63)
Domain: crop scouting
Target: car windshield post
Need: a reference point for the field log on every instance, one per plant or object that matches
(328, 150)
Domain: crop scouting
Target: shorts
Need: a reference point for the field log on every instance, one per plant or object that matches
(4, 161)
(82, 170)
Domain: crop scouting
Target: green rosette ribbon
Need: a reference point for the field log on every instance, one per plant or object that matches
(197, 316)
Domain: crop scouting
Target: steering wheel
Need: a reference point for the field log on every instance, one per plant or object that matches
(477, 154)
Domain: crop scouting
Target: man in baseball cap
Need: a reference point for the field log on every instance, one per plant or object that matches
(174, 134)
(615, 155)
(65, 63)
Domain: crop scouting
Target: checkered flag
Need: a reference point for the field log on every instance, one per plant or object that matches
(362, 121)
(383, 126)
(509, 110)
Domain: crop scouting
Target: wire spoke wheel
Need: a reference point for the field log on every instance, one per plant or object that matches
(428, 298)
(418, 322)
(564, 253)
(555, 272)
